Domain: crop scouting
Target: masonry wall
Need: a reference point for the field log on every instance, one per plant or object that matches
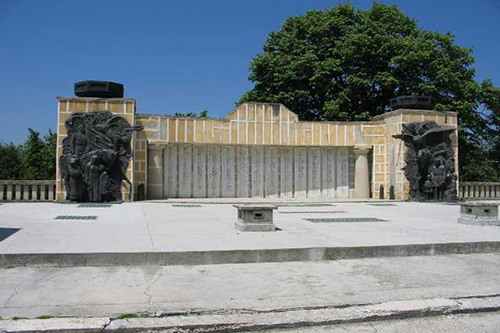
(261, 124)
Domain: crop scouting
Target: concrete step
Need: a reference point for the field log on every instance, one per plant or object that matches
(238, 321)
(241, 256)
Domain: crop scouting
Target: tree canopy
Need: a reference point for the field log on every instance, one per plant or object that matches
(346, 64)
(35, 159)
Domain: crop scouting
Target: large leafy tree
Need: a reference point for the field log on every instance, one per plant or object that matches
(35, 159)
(39, 156)
(346, 64)
(10, 161)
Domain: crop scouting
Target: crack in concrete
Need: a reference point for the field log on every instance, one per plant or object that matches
(150, 285)
(15, 291)
(147, 227)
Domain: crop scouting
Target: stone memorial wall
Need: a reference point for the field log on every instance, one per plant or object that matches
(260, 150)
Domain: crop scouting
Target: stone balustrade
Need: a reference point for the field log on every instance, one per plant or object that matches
(27, 190)
(479, 190)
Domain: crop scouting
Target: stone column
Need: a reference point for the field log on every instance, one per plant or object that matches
(361, 173)
(155, 172)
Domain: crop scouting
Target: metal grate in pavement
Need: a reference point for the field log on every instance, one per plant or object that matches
(314, 212)
(346, 219)
(186, 206)
(381, 204)
(306, 205)
(76, 217)
(94, 205)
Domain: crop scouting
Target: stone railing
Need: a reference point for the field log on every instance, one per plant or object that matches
(479, 190)
(27, 190)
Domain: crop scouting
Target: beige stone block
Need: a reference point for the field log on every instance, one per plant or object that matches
(78, 106)
(140, 177)
(181, 130)
(376, 130)
(275, 110)
(190, 127)
(140, 155)
(251, 112)
(251, 133)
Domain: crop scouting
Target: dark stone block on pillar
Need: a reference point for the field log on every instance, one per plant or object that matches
(412, 102)
(100, 89)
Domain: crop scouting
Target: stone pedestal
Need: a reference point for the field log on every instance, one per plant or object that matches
(361, 173)
(255, 218)
(479, 213)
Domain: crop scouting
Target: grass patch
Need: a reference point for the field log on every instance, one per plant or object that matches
(17, 318)
(44, 317)
(129, 315)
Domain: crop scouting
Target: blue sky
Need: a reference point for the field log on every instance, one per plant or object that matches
(176, 56)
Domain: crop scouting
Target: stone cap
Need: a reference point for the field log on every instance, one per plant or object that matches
(255, 207)
(480, 203)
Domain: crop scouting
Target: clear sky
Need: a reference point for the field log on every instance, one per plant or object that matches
(176, 56)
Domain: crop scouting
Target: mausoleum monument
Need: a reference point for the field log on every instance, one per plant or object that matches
(258, 150)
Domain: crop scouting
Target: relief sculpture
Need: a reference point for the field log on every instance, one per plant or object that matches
(95, 156)
(430, 163)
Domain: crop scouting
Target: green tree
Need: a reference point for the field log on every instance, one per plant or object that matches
(39, 156)
(10, 161)
(346, 64)
(203, 114)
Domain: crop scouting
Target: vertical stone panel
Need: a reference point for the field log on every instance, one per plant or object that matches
(155, 172)
(328, 171)
(214, 171)
(257, 171)
(228, 176)
(314, 173)
(342, 172)
(200, 171)
(286, 172)
(243, 172)
(171, 188)
(185, 170)
(300, 172)
(272, 172)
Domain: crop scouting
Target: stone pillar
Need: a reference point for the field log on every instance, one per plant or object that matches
(155, 172)
(361, 173)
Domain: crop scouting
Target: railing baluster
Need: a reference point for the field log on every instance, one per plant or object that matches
(51, 192)
(26, 192)
(42, 192)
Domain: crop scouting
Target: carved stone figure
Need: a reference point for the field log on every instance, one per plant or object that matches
(95, 156)
(430, 163)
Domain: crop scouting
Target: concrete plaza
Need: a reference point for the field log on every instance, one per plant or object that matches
(274, 285)
(166, 227)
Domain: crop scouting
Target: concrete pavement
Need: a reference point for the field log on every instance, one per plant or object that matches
(112, 291)
(161, 227)
(290, 296)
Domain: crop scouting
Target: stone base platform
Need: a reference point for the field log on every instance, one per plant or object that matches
(156, 234)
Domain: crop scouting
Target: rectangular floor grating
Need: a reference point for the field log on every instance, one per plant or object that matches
(186, 206)
(381, 204)
(76, 217)
(94, 205)
(346, 219)
(306, 205)
(315, 212)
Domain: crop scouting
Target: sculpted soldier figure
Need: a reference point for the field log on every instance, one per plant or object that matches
(432, 174)
(95, 156)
